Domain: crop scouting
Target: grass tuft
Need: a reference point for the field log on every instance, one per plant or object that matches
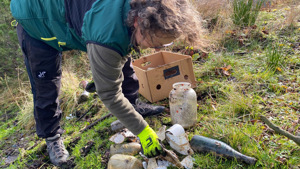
(275, 58)
(245, 12)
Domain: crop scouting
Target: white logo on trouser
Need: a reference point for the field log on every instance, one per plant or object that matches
(41, 74)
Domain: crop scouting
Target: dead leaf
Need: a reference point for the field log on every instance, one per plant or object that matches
(225, 70)
(265, 32)
(229, 32)
(246, 31)
(226, 73)
(281, 159)
(192, 53)
(253, 121)
(241, 41)
(254, 26)
(295, 122)
(204, 55)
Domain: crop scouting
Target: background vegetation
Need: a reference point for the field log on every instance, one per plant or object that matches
(254, 70)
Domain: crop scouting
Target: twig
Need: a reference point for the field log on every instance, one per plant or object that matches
(31, 147)
(6, 116)
(85, 113)
(240, 117)
(212, 98)
(86, 149)
(42, 165)
(296, 139)
(97, 121)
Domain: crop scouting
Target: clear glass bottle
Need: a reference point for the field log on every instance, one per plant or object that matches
(183, 104)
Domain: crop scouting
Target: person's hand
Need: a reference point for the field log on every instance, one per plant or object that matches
(150, 144)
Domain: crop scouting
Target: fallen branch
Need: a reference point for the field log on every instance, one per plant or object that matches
(96, 122)
(296, 139)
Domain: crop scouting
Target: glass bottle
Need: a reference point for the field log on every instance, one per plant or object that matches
(183, 104)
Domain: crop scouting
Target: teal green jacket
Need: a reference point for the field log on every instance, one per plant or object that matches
(71, 24)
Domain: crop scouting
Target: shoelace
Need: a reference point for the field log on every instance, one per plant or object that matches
(57, 148)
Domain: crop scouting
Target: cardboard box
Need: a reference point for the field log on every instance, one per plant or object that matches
(158, 72)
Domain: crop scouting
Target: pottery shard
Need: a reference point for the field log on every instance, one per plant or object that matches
(121, 136)
(178, 140)
(120, 161)
(128, 149)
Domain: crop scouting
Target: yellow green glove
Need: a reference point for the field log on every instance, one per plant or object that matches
(150, 143)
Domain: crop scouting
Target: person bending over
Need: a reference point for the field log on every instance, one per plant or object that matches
(106, 30)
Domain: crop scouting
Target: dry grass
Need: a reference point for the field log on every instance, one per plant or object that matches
(25, 116)
(293, 15)
(216, 16)
(70, 90)
(17, 92)
(210, 9)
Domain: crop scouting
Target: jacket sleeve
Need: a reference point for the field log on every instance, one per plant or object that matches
(106, 66)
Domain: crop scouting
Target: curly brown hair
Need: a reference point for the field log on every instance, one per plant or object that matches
(173, 18)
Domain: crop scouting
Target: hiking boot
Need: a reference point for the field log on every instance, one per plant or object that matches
(147, 109)
(57, 151)
(91, 87)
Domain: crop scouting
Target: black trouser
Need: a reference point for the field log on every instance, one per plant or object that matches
(43, 64)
